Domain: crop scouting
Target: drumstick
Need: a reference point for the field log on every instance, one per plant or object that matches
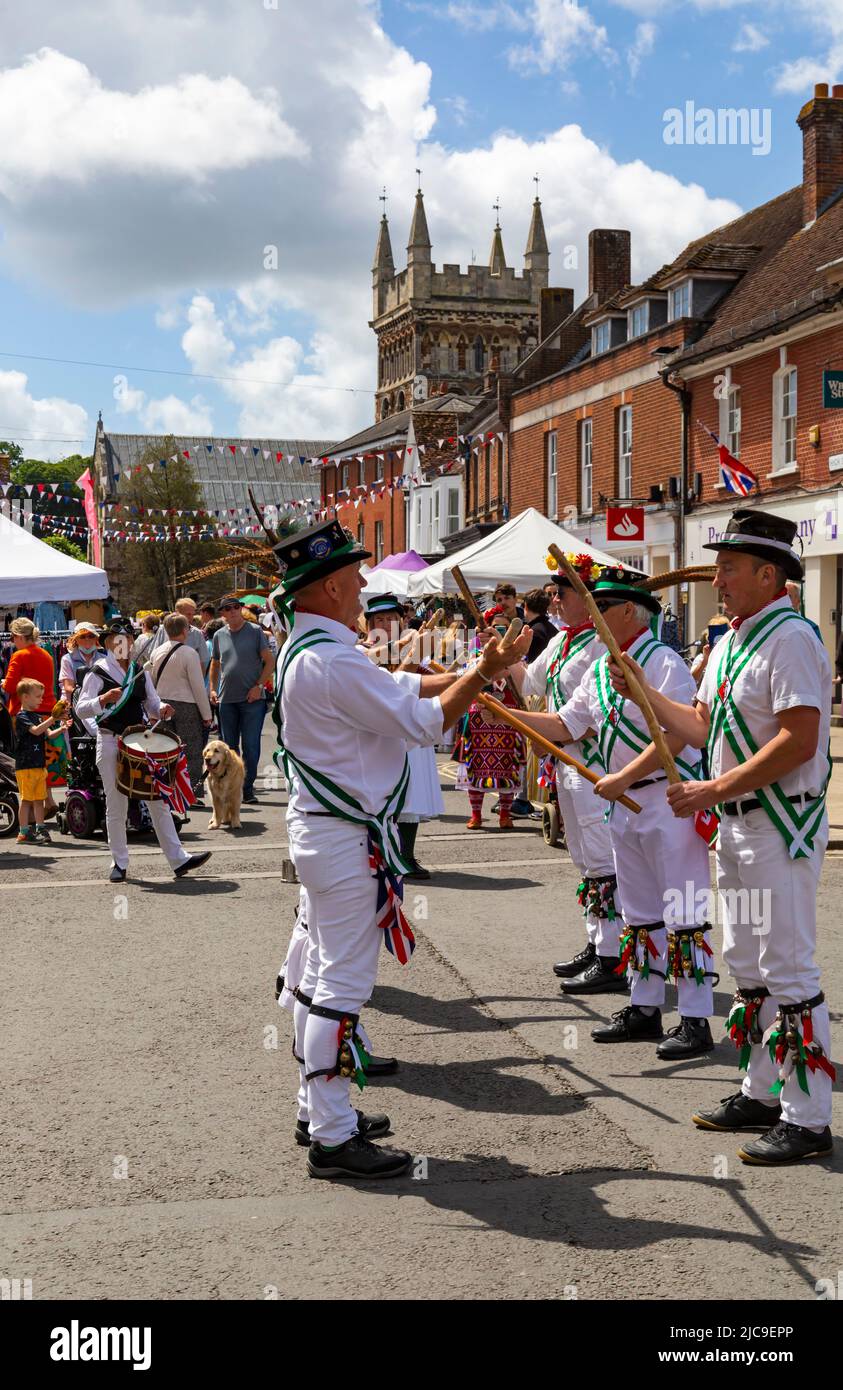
(654, 727)
(544, 743)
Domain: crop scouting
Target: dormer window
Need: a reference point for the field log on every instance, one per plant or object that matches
(601, 337)
(639, 320)
(680, 301)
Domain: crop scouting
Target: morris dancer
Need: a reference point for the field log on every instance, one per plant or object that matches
(492, 754)
(661, 863)
(763, 708)
(114, 695)
(385, 615)
(344, 724)
(555, 674)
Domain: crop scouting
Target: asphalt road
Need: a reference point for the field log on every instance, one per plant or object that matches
(148, 1114)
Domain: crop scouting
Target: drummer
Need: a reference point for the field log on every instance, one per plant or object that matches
(115, 695)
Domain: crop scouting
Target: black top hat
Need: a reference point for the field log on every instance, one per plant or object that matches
(761, 533)
(314, 554)
(617, 582)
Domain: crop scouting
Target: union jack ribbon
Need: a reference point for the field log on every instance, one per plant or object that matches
(179, 797)
(547, 772)
(389, 912)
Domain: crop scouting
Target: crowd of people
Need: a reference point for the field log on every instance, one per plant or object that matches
(741, 761)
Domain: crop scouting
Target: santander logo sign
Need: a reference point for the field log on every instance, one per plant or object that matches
(625, 524)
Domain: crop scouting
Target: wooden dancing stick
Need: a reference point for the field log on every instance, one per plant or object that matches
(544, 743)
(653, 726)
(475, 614)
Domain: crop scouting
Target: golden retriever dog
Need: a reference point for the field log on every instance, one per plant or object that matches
(225, 774)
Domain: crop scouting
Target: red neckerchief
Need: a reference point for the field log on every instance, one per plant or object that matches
(736, 622)
(625, 646)
(570, 634)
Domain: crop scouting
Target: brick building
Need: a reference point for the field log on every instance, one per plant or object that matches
(736, 329)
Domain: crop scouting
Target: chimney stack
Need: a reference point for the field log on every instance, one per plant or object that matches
(821, 123)
(608, 262)
(554, 307)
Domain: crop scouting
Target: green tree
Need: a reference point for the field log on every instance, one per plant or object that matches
(66, 547)
(14, 452)
(67, 502)
(146, 574)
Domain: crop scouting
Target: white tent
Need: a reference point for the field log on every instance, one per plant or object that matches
(32, 572)
(515, 553)
(388, 581)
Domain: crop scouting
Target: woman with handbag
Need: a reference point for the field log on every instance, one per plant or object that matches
(177, 676)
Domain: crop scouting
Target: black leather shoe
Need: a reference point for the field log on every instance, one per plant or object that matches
(368, 1127)
(630, 1025)
(117, 874)
(786, 1143)
(567, 969)
(598, 978)
(381, 1066)
(690, 1038)
(418, 873)
(358, 1158)
(738, 1112)
(194, 862)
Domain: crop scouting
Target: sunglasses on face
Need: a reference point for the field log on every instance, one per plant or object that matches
(604, 604)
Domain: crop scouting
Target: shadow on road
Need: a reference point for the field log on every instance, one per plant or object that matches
(188, 887)
(478, 882)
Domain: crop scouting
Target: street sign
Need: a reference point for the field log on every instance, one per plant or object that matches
(624, 523)
(833, 390)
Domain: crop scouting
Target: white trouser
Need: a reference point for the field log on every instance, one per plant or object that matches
(117, 806)
(663, 873)
(332, 862)
(589, 845)
(769, 907)
(293, 968)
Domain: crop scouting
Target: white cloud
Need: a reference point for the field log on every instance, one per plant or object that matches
(825, 18)
(57, 121)
(564, 30)
(47, 427)
(479, 18)
(645, 38)
(751, 39)
(171, 415)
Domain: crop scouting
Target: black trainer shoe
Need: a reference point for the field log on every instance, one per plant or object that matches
(578, 963)
(117, 874)
(598, 978)
(368, 1127)
(738, 1112)
(357, 1158)
(381, 1066)
(690, 1038)
(194, 862)
(786, 1143)
(521, 807)
(630, 1025)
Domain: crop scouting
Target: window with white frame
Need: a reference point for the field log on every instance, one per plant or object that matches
(733, 421)
(784, 414)
(436, 516)
(378, 542)
(680, 301)
(552, 474)
(639, 320)
(601, 337)
(452, 517)
(586, 504)
(625, 451)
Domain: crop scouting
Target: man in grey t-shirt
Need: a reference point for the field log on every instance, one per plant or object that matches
(241, 665)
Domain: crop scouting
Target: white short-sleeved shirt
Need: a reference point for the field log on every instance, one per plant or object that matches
(665, 671)
(349, 719)
(791, 670)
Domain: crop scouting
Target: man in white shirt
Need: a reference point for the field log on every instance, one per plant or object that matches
(194, 638)
(661, 864)
(344, 725)
(763, 707)
(116, 695)
(555, 675)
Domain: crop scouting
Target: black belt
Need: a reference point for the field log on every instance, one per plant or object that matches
(649, 782)
(751, 803)
(314, 813)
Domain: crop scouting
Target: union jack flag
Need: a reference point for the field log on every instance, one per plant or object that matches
(736, 476)
(389, 911)
(179, 797)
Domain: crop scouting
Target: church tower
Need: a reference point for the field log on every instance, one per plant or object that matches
(442, 330)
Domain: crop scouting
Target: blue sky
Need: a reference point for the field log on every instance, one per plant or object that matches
(153, 154)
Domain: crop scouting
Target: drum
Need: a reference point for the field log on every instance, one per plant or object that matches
(140, 751)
